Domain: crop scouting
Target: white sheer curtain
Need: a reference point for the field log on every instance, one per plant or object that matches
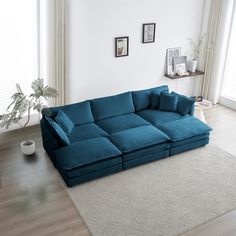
(218, 16)
(228, 92)
(18, 47)
(55, 44)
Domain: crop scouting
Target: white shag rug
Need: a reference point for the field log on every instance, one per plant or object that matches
(166, 197)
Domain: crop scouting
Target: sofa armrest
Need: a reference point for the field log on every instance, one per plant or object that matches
(192, 110)
(50, 142)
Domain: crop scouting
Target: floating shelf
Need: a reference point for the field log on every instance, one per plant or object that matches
(197, 73)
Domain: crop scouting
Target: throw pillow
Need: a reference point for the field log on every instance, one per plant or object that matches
(65, 122)
(168, 102)
(155, 100)
(59, 132)
(185, 104)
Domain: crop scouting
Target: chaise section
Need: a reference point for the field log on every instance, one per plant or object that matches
(137, 144)
(157, 117)
(186, 134)
(120, 123)
(86, 160)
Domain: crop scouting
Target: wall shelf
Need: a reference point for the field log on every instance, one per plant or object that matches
(197, 73)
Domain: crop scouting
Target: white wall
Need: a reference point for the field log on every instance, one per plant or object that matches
(92, 69)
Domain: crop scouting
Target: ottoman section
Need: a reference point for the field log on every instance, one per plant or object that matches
(87, 160)
(186, 134)
(141, 145)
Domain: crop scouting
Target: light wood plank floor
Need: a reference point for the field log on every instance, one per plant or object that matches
(33, 201)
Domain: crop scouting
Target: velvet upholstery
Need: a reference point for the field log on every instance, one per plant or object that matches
(58, 131)
(64, 121)
(184, 128)
(79, 113)
(137, 138)
(188, 146)
(112, 106)
(110, 134)
(120, 123)
(86, 131)
(90, 151)
(185, 104)
(142, 98)
(157, 117)
(152, 156)
(168, 102)
(155, 100)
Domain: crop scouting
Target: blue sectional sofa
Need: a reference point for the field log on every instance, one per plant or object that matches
(102, 136)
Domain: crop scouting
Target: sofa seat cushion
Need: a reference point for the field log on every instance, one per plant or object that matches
(157, 117)
(190, 140)
(144, 152)
(111, 106)
(86, 131)
(120, 123)
(142, 98)
(184, 128)
(137, 138)
(85, 153)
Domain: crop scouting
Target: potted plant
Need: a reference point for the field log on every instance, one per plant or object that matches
(195, 47)
(22, 105)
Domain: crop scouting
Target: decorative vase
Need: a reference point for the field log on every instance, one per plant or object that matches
(28, 148)
(193, 66)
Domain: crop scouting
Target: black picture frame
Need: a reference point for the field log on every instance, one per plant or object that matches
(149, 33)
(122, 46)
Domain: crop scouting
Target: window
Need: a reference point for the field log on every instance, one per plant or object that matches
(18, 47)
(229, 79)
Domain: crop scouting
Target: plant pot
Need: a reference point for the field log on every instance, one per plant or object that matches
(28, 148)
(192, 66)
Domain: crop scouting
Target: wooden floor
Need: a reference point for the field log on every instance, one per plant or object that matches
(33, 201)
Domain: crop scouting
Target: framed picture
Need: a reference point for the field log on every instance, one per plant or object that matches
(149, 32)
(121, 46)
(170, 54)
(180, 65)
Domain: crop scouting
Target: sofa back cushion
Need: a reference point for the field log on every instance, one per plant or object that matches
(142, 98)
(79, 113)
(106, 107)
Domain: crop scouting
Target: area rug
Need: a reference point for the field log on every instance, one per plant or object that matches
(166, 197)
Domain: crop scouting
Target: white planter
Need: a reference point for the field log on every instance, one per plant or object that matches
(192, 66)
(28, 148)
